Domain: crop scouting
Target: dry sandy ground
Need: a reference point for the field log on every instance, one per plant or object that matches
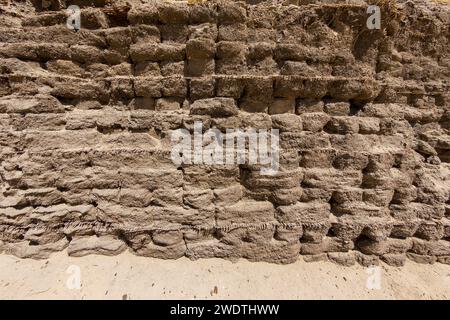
(131, 277)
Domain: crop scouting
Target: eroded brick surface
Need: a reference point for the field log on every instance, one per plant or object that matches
(364, 122)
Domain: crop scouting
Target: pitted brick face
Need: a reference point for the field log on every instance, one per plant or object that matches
(363, 118)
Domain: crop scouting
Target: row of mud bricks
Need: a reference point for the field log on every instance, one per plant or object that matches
(364, 120)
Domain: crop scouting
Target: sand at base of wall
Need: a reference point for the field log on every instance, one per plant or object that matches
(131, 277)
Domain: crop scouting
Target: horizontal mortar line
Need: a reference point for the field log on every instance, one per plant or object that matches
(223, 76)
(107, 225)
(112, 11)
(83, 150)
(219, 76)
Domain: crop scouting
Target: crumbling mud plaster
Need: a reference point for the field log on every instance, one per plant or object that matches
(364, 120)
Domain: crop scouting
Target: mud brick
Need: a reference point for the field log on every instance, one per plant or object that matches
(431, 248)
(395, 260)
(347, 228)
(234, 214)
(350, 160)
(303, 140)
(261, 35)
(347, 195)
(318, 158)
(446, 224)
(286, 196)
(231, 57)
(329, 178)
(94, 19)
(167, 238)
(157, 52)
(27, 104)
(147, 69)
(173, 33)
(172, 68)
(257, 95)
(298, 68)
(231, 12)
(231, 50)
(315, 257)
(338, 108)
(360, 209)
(341, 258)
(304, 213)
(202, 13)
(148, 87)
(287, 179)
(21, 51)
(405, 195)
(328, 244)
(203, 31)
(288, 234)
(290, 51)
(287, 122)
(444, 259)
(81, 90)
(314, 121)
(308, 105)
(198, 198)
(200, 49)
(51, 51)
(232, 32)
(342, 125)
(167, 104)
(118, 37)
(313, 249)
(145, 14)
(174, 87)
(367, 260)
(255, 121)
(371, 247)
(86, 54)
(200, 67)
(173, 13)
(430, 230)
(144, 119)
(421, 259)
(123, 69)
(145, 33)
(353, 89)
(179, 215)
(300, 88)
(226, 123)
(315, 232)
(369, 125)
(428, 212)
(122, 88)
(229, 87)
(282, 106)
(259, 51)
(405, 228)
(210, 177)
(202, 88)
(215, 107)
(113, 57)
(47, 19)
(260, 17)
(378, 197)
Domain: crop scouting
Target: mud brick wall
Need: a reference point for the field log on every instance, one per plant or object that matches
(364, 120)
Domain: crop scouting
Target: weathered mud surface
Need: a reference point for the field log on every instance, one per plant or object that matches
(364, 117)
